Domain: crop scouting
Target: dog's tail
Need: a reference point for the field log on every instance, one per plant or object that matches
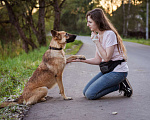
(11, 103)
(7, 103)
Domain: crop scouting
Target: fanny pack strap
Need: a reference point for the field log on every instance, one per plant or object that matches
(120, 61)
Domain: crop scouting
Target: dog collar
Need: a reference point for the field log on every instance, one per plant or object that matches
(54, 48)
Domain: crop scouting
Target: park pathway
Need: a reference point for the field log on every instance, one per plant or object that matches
(76, 76)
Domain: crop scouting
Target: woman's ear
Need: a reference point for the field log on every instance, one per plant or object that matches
(54, 33)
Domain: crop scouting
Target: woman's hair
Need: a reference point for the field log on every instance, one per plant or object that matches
(103, 23)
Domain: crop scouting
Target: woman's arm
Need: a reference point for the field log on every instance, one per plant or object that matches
(94, 61)
(106, 55)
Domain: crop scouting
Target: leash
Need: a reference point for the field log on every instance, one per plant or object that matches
(54, 48)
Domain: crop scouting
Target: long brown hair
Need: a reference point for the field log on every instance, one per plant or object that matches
(103, 23)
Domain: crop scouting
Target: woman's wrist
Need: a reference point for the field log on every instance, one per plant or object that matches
(98, 44)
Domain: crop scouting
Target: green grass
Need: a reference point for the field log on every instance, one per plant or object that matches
(14, 72)
(73, 49)
(140, 41)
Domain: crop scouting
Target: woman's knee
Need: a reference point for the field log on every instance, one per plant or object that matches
(84, 91)
(90, 96)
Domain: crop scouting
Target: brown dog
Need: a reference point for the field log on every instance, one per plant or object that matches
(49, 72)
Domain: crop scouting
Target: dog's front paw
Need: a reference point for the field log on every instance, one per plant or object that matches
(81, 57)
(68, 98)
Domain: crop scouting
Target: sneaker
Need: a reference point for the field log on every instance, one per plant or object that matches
(126, 87)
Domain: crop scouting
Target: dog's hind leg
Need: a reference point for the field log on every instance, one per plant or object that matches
(38, 95)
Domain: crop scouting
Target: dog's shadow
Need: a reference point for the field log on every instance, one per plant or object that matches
(48, 98)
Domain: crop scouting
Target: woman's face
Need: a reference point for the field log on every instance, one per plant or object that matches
(91, 24)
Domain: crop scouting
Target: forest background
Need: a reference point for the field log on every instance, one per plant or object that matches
(24, 24)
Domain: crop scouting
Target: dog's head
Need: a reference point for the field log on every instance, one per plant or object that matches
(62, 36)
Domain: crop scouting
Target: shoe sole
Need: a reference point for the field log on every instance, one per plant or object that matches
(130, 87)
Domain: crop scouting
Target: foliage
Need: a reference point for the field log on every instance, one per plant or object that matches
(72, 20)
(7, 31)
(26, 21)
(11, 44)
(73, 16)
(12, 49)
(134, 19)
(142, 12)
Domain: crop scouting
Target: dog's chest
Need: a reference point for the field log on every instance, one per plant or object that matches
(56, 62)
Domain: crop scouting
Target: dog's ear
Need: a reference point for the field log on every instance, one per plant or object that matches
(54, 33)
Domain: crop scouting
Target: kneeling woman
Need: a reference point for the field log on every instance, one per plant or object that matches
(109, 50)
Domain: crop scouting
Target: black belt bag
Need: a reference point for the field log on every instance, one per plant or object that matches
(109, 66)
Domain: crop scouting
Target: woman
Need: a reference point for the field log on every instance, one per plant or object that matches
(109, 46)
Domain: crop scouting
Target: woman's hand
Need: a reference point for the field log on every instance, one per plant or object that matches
(93, 34)
(94, 37)
(76, 60)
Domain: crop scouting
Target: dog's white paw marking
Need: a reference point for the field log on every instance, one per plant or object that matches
(68, 98)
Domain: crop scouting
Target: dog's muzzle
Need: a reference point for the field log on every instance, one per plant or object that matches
(71, 38)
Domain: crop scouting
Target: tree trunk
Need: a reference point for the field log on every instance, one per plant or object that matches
(57, 15)
(57, 21)
(41, 24)
(26, 41)
(123, 10)
(57, 10)
(147, 17)
(127, 23)
(25, 46)
(39, 31)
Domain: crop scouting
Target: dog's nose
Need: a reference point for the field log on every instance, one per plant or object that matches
(74, 36)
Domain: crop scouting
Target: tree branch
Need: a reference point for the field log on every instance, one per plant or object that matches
(60, 6)
(5, 21)
(44, 6)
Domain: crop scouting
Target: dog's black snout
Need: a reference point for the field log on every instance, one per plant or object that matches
(71, 38)
(74, 36)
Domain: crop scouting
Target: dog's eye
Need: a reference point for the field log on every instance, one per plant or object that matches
(66, 34)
